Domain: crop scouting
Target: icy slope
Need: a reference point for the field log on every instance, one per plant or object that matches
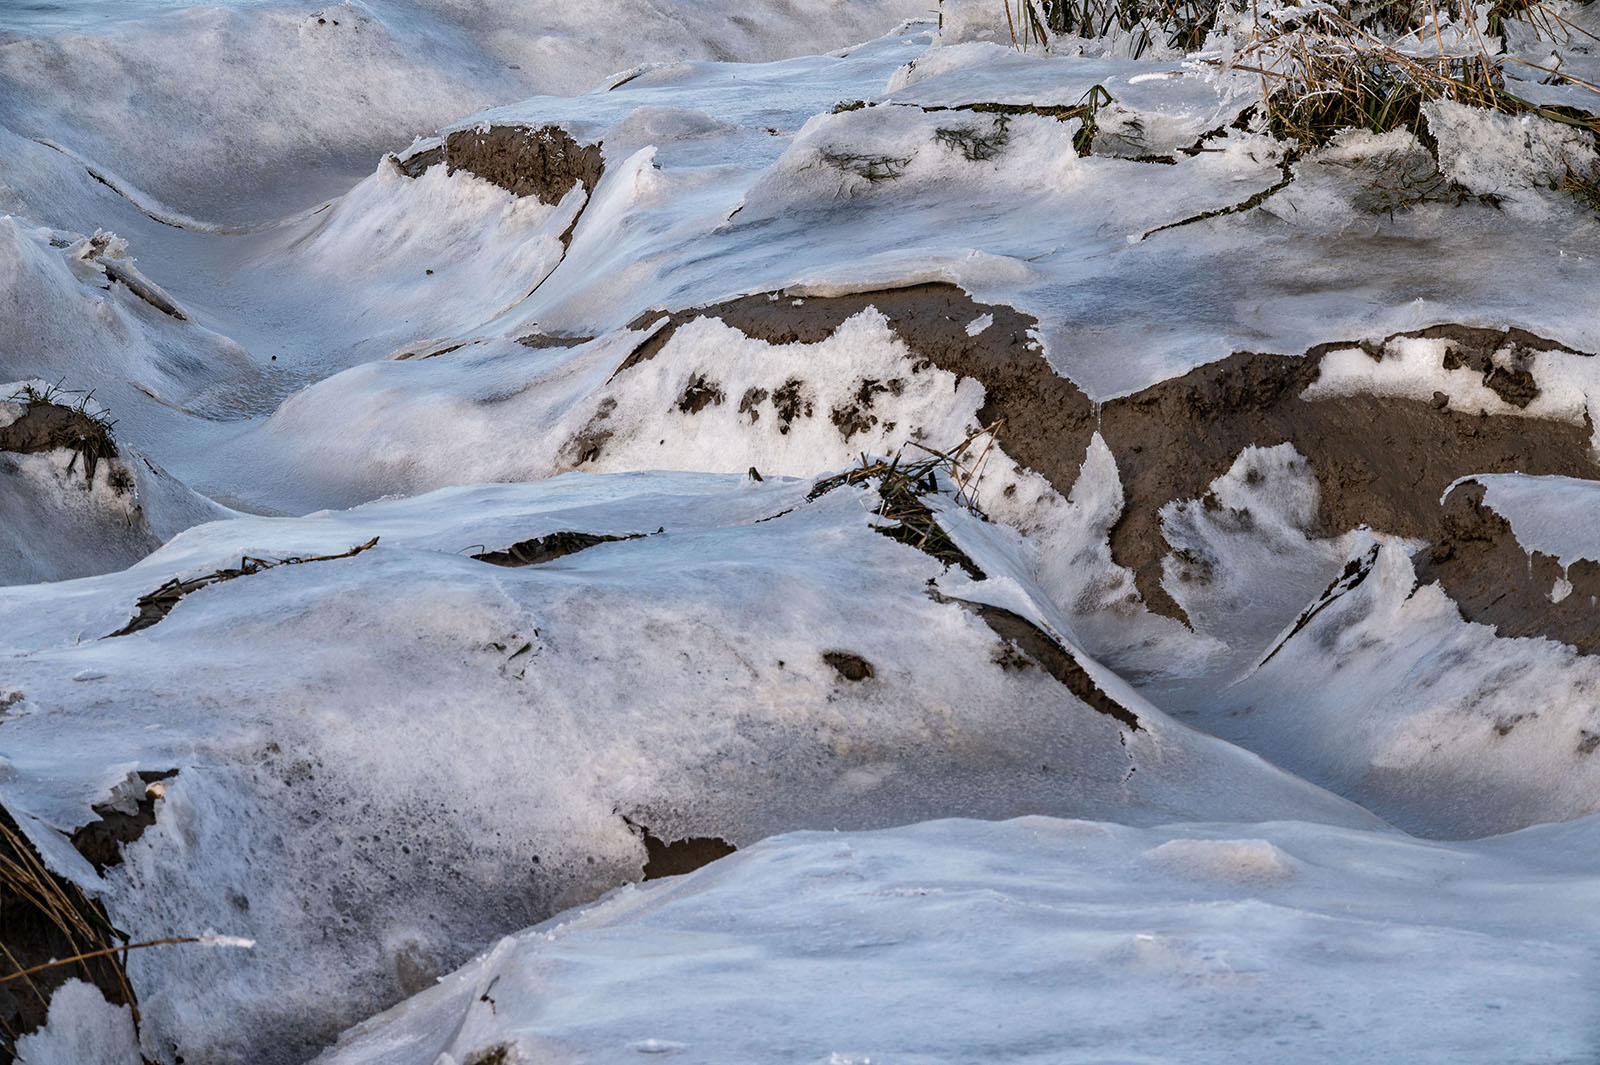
(1040, 940)
(210, 107)
(1278, 465)
(385, 760)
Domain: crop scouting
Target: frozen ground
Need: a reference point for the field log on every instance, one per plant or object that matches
(462, 530)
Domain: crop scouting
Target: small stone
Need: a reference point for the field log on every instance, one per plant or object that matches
(1440, 401)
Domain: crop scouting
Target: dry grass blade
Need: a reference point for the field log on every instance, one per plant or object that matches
(49, 931)
(103, 952)
(902, 484)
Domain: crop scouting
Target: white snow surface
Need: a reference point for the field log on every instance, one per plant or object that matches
(1046, 940)
(83, 1029)
(388, 761)
(384, 761)
(1555, 516)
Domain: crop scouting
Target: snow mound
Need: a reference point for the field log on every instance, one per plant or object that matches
(963, 941)
(387, 756)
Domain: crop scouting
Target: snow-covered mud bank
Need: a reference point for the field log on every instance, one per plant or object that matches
(428, 509)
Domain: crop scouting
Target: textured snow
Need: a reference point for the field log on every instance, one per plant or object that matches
(83, 1029)
(443, 749)
(387, 762)
(1048, 940)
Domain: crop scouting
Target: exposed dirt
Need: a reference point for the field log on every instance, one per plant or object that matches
(547, 340)
(851, 667)
(699, 394)
(43, 917)
(1379, 461)
(549, 548)
(102, 841)
(544, 162)
(45, 426)
(414, 166)
(1496, 581)
(679, 856)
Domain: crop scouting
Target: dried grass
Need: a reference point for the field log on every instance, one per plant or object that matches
(901, 485)
(42, 914)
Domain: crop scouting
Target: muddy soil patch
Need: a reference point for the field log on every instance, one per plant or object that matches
(1046, 415)
(120, 822)
(851, 667)
(1380, 461)
(679, 856)
(545, 162)
(548, 340)
(1496, 581)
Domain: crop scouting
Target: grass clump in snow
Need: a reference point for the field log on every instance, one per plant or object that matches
(1184, 24)
(55, 417)
(902, 485)
(1327, 68)
(50, 931)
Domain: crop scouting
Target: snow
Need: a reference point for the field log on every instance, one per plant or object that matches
(1199, 838)
(238, 94)
(83, 1029)
(1040, 939)
(1553, 515)
(397, 700)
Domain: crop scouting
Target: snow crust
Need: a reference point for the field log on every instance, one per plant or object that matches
(236, 94)
(384, 761)
(82, 1029)
(1553, 515)
(1047, 940)
(387, 761)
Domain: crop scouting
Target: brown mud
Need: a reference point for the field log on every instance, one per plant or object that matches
(1379, 461)
(101, 841)
(679, 856)
(1496, 581)
(545, 162)
(851, 667)
(548, 340)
